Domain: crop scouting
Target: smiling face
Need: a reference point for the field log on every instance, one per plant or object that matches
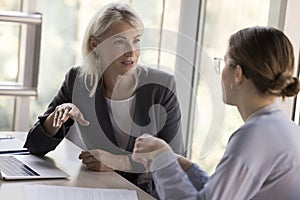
(120, 49)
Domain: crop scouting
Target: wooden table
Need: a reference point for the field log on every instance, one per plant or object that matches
(65, 156)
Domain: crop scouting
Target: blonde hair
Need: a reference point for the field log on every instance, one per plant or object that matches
(102, 21)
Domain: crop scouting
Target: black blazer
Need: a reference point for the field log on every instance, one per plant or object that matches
(156, 112)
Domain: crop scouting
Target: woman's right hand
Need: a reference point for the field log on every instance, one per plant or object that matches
(60, 115)
(147, 148)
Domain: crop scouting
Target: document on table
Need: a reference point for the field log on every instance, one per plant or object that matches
(48, 192)
(11, 145)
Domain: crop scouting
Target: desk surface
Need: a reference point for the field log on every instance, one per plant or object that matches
(65, 157)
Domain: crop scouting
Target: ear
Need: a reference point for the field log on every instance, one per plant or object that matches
(92, 42)
(238, 75)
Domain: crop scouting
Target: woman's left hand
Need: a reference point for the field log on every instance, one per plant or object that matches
(99, 160)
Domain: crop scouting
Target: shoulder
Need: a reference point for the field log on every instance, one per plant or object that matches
(254, 135)
(70, 79)
(269, 125)
(272, 125)
(265, 138)
(149, 72)
(73, 71)
(155, 77)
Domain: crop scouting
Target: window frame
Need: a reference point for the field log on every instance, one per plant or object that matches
(30, 41)
(186, 74)
(296, 103)
(28, 68)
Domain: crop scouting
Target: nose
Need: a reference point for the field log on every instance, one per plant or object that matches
(129, 51)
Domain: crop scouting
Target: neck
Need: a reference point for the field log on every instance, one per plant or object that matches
(249, 99)
(247, 108)
(118, 87)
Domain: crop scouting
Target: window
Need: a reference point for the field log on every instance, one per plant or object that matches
(8, 58)
(214, 122)
(17, 69)
(9, 55)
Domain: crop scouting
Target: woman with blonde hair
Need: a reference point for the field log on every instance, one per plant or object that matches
(113, 99)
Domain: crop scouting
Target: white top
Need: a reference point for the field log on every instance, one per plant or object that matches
(121, 113)
(261, 162)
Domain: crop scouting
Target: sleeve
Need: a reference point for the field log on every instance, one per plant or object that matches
(38, 142)
(172, 130)
(232, 180)
(197, 176)
(170, 180)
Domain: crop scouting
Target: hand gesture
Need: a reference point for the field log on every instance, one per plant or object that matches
(147, 148)
(60, 115)
(65, 111)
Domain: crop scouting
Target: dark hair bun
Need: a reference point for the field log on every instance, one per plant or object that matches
(285, 86)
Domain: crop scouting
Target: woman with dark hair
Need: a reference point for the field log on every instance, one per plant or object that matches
(113, 98)
(262, 158)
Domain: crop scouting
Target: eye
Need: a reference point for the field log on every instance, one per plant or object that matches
(119, 42)
(136, 41)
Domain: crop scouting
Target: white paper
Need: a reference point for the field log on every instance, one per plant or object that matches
(47, 192)
(10, 145)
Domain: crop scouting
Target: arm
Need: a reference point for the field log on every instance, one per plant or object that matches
(185, 163)
(171, 181)
(39, 141)
(196, 175)
(156, 154)
(233, 179)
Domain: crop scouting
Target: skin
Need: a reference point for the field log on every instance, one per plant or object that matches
(147, 148)
(119, 52)
(237, 90)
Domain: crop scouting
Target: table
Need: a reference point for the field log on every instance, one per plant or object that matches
(65, 156)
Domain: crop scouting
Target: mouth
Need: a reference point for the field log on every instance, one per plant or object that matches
(128, 63)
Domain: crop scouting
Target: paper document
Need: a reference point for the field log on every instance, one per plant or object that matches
(48, 192)
(11, 145)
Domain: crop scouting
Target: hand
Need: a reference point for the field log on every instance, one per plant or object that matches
(99, 160)
(65, 111)
(147, 148)
(60, 115)
(92, 162)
